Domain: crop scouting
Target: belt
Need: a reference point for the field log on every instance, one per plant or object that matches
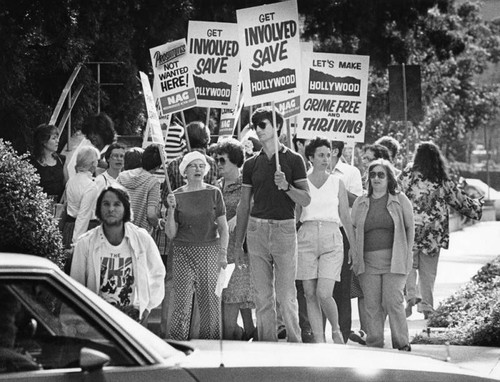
(320, 223)
(273, 221)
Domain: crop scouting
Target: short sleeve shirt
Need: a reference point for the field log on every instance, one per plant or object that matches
(196, 214)
(258, 173)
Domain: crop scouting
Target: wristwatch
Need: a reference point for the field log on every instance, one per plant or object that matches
(288, 188)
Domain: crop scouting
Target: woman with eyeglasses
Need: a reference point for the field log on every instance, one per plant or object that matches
(384, 233)
(115, 158)
(196, 222)
(239, 295)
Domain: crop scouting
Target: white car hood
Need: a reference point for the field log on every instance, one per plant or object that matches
(365, 361)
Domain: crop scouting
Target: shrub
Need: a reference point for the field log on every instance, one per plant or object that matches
(471, 316)
(26, 221)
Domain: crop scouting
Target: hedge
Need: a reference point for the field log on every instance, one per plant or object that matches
(26, 221)
(471, 316)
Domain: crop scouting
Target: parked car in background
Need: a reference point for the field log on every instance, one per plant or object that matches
(54, 329)
(477, 188)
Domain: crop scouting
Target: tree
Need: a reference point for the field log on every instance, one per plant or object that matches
(43, 41)
(452, 46)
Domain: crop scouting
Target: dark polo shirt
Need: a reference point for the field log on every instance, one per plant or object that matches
(258, 173)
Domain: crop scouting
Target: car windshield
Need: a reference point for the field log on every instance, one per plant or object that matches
(41, 329)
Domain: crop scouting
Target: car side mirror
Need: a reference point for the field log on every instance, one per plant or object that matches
(92, 360)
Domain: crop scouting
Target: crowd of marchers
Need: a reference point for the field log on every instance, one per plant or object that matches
(306, 231)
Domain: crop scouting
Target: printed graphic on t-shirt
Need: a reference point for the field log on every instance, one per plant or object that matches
(117, 279)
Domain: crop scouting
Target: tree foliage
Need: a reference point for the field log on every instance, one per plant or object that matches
(43, 42)
(26, 219)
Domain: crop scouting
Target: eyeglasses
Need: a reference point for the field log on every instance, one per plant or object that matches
(379, 174)
(117, 156)
(201, 166)
(261, 125)
(221, 161)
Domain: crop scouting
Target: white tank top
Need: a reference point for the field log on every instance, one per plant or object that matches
(324, 204)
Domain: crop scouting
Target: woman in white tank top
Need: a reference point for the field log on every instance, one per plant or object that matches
(320, 244)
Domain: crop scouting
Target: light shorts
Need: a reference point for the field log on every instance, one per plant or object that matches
(321, 251)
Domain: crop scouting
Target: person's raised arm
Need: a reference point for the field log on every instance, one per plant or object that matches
(298, 191)
(170, 223)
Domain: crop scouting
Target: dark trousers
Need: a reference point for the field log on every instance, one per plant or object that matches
(342, 291)
(304, 324)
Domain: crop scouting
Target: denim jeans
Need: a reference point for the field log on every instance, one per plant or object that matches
(272, 247)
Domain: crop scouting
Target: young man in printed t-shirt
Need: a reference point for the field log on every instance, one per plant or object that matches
(271, 235)
(120, 261)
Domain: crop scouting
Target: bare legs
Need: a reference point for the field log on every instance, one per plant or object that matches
(318, 294)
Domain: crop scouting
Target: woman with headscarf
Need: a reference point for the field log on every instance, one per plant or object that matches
(196, 222)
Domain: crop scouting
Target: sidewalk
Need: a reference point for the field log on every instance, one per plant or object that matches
(470, 249)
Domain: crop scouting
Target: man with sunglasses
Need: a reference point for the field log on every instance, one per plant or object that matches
(271, 235)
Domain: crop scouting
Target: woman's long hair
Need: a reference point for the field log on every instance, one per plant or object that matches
(430, 163)
(40, 137)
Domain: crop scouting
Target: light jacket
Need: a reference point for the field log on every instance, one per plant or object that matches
(401, 211)
(148, 267)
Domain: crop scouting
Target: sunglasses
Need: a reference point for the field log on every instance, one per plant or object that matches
(221, 161)
(261, 125)
(379, 174)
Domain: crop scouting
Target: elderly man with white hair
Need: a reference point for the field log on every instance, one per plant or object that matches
(196, 222)
(81, 196)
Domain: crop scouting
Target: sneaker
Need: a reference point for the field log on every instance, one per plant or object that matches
(359, 337)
